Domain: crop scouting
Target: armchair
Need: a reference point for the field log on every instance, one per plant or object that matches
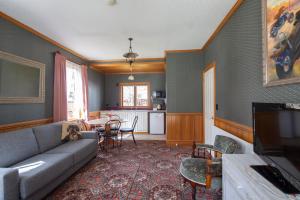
(205, 166)
(222, 145)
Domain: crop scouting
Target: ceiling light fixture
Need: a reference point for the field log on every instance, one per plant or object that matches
(130, 59)
(111, 2)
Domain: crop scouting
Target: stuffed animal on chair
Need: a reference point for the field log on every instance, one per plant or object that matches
(73, 131)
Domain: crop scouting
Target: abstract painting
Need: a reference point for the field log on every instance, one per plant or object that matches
(281, 41)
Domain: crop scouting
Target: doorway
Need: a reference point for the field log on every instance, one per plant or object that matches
(209, 101)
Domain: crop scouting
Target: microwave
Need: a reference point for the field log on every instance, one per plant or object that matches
(159, 94)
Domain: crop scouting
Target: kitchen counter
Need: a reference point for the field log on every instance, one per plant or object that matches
(133, 110)
(157, 110)
(128, 115)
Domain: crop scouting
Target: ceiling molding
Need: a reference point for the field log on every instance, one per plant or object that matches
(223, 22)
(128, 73)
(95, 69)
(182, 51)
(27, 28)
(123, 67)
(124, 60)
(124, 63)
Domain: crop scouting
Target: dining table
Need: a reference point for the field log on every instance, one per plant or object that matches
(103, 121)
(94, 123)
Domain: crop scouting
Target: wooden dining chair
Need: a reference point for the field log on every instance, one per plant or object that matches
(129, 130)
(111, 132)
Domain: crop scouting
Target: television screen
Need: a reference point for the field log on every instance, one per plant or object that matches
(277, 137)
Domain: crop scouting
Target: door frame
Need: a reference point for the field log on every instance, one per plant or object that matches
(206, 68)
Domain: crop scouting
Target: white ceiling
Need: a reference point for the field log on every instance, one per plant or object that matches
(98, 31)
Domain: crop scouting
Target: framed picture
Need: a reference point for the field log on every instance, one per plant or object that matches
(281, 41)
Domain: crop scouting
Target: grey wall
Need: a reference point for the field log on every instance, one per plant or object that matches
(237, 50)
(112, 91)
(184, 82)
(24, 79)
(23, 43)
(96, 90)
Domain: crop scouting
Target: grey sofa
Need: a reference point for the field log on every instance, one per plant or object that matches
(34, 161)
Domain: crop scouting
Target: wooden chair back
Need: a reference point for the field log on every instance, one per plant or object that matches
(112, 125)
(134, 122)
(94, 115)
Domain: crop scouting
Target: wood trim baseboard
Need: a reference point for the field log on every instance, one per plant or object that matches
(24, 124)
(44, 37)
(141, 133)
(241, 131)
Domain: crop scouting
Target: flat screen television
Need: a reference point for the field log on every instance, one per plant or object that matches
(276, 129)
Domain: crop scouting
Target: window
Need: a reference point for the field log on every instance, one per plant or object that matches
(74, 91)
(135, 94)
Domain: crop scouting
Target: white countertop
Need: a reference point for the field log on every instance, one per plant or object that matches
(133, 110)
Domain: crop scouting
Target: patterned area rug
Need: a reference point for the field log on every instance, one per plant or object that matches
(148, 170)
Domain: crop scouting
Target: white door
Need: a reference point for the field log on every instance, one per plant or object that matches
(209, 104)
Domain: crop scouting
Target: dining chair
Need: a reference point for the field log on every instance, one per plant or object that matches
(111, 132)
(109, 117)
(222, 145)
(129, 130)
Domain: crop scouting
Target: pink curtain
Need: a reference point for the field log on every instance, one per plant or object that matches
(85, 91)
(60, 89)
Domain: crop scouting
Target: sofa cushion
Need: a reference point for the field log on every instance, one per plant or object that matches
(16, 146)
(80, 149)
(38, 171)
(48, 136)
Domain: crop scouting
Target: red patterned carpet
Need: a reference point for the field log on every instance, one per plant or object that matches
(148, 170)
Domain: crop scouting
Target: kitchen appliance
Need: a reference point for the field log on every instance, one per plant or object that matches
(158, 94)
(157, 123)
(276, 131)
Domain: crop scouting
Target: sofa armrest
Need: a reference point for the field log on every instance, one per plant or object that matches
(9, 184)
(89, 135)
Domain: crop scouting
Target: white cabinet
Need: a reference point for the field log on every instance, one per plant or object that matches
(157, 123)
(128, 115)
(241, 182)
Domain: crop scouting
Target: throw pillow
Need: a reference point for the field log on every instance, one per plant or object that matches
(74, 133)
(65, 125)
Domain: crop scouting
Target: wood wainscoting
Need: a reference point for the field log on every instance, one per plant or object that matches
(24, 124)
(94, 115)
(239, 130)
(184, 128)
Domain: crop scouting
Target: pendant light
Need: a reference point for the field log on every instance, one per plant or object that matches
(130, 58)
(131, 77)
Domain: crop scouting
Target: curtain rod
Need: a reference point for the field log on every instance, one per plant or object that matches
(69, 59)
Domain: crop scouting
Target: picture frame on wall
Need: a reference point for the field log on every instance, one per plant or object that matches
(281, 42)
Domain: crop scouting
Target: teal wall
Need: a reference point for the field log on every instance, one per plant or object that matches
(184, 82)
(25, 80)
(96, 82)
(22, 43)
(237, 50)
